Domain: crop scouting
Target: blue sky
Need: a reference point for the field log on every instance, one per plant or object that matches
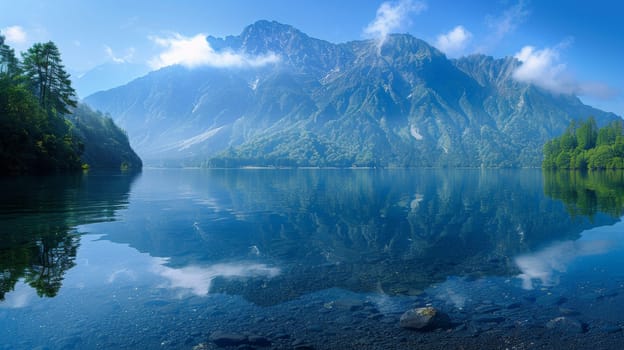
(566, 46)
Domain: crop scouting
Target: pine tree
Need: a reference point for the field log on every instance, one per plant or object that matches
(9, 65)
(47, 78)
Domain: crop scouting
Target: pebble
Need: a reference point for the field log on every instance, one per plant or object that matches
(315, 328)
(258, 340)
(611, 329)
(488, 319)
(567, 311)
(227, 339)
(304, 347)
(486, 309)
(425, 319)
(223, 339)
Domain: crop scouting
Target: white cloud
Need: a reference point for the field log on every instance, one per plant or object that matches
(455, 41)
(543, 68)
(502, 24)
(391, 16)
(196, 51)
(14, 35)
(508, 21)
(117, 59)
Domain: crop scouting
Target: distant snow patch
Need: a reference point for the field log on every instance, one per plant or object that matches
(182, 145)
(521, 102)
(254, 84)
(415, 203)
(330, 75)
(415, 132)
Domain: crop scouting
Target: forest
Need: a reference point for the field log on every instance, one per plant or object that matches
(43, 128)
(584, 146)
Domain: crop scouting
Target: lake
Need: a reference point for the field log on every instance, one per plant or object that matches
(311, 259)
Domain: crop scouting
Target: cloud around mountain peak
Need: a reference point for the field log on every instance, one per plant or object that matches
(392, 16)
(542, 67)
(196, 51)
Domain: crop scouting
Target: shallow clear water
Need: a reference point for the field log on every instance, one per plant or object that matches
(318, 258)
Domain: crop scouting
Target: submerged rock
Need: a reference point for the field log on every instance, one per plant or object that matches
(228, 339)
(566, 325)
(223, 339)
(425, 319)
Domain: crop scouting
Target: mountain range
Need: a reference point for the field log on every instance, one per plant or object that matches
(398, 103)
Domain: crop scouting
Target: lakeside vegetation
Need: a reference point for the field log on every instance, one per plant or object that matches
(43, 129)
(584, 146)
(35, 93)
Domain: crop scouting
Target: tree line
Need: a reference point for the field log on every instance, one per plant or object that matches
(584, 146)
(43, 128)
(35, 95)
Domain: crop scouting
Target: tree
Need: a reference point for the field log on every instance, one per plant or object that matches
(9, 66)
(47, 78)
(584, 146)
(586, 134)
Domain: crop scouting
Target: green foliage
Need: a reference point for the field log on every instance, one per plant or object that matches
(108, 145)
(9, 65)
(30, 139)
(36, 134)
(583, 146)
(47, 79)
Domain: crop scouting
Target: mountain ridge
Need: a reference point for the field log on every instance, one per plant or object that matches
(403, 103)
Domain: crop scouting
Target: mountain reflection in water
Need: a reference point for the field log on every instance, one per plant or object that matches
(171, 256)
(387, 231)
(390, 231)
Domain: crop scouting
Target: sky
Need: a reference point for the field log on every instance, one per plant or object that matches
(565, 46)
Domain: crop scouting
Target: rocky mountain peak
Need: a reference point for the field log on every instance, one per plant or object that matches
(401, 103)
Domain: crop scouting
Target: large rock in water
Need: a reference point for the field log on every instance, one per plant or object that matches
(425, 319)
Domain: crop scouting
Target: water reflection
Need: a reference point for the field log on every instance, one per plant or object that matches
(587, 193)
(198, 279)
(545, 266)
(388, 232)
(392, 232)
(38, 214)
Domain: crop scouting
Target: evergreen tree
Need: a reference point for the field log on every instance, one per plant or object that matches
(586, 134)
(9, 65)
(47, 78)
(36, 130)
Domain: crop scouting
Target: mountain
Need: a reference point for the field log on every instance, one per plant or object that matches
(107, 76)
(403, 103)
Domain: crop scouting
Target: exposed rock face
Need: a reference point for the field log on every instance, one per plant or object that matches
(425, 319)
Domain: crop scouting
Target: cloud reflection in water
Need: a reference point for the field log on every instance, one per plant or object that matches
(545, 265)
(198, 279)
(20, 297)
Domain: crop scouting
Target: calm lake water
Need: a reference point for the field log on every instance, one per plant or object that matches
(311, 259)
